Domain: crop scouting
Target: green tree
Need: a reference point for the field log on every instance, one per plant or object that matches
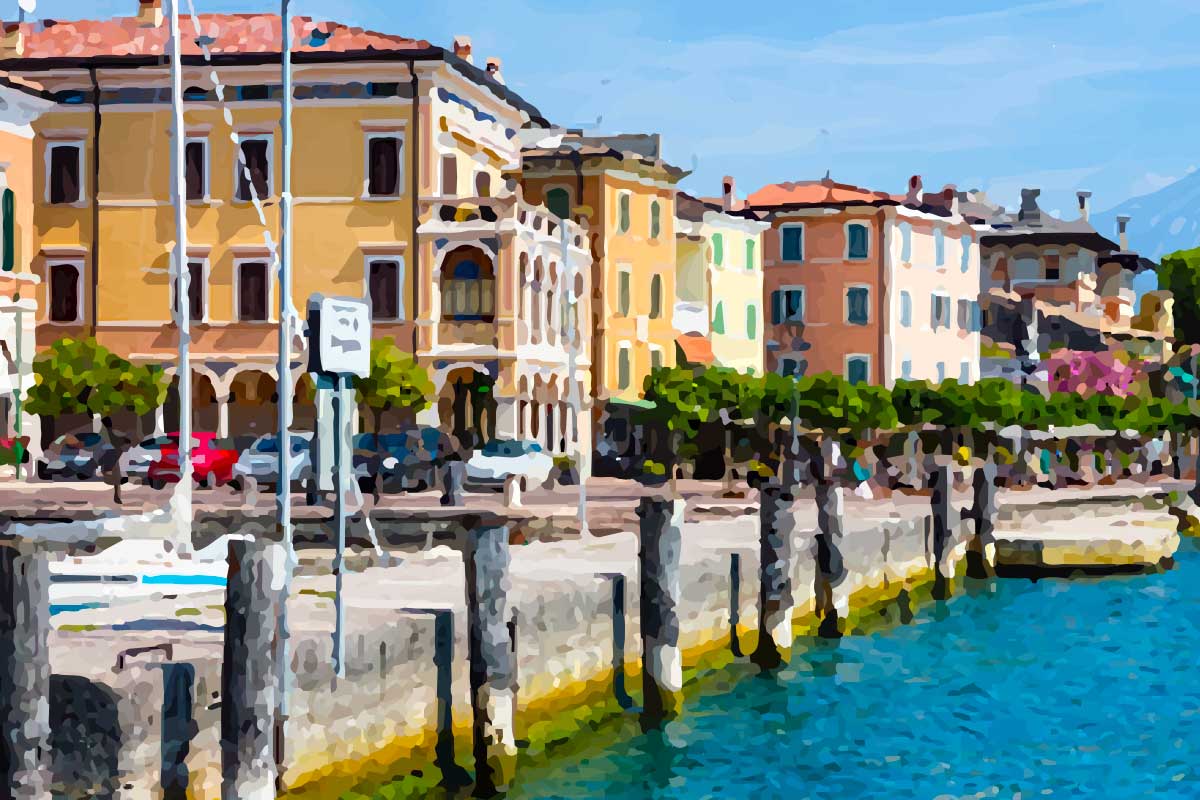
(79, 376)
(396, 382)
(1180, 274)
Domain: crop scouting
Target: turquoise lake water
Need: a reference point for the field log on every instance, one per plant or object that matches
(1059, 688)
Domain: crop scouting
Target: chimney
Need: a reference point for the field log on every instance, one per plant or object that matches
(1029, 207)
(493, 70)
(150, 13)
(1123, 232)
(462, 48)
(950, 199)
(727, 189)
(913, 198)
(1085, 206)
(14, 41)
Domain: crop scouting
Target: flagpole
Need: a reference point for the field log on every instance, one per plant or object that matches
(181, 499)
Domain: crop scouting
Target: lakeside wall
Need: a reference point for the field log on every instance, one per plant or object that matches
(381, 719)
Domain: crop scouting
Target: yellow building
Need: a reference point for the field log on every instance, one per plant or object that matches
(719, 282)
(625, 192)
(399, 148)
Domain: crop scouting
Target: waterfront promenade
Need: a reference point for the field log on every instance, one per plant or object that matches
(382, 718)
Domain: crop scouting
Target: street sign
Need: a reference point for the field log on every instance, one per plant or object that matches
(339, 336)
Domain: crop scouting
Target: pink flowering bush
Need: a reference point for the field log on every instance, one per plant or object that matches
(1084, 372)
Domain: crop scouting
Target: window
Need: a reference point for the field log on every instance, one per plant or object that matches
(718, 322)
(383, 89)
(66, 169)
(65, 289)
(256, 91)
(906, 242)
(858, 369)
(656, 358)
(976, 317)
(655, 219)
(253, 292)
(195, 291)
(964, 315)
(383, 166)
(858, 238)
(195, 169)
(558, 201)
(906, 369)
(624, 300)
(964, 372)
(787, 305)
(623, 220)
(905, 309)
(939, 316)
(483, 184)
(254, 169)
(939, 247)
(965, 264)
(1051, 265)
(624, 369)
(449, 175)
(468, 288)
(655, 296)
(858, 299)
(941, 371)
(749, 254)
(793, 367)
(751, 321)
(718, 249)
(385, 286)
(791, 243)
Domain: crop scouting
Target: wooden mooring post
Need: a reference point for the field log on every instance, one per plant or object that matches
(661, 534)
(776, 600)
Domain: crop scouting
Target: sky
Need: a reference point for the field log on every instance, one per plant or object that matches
(1061, 95)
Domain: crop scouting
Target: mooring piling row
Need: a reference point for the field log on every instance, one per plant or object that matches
(776, 600)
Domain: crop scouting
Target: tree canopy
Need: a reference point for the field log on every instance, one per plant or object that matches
(80, 376)
(396, 381)
(1180, 274)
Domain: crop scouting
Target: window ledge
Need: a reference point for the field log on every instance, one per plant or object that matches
(381, 198)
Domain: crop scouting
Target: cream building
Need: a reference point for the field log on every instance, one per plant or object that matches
(719, 282)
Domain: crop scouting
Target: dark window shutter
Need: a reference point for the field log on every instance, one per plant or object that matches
(8, 210)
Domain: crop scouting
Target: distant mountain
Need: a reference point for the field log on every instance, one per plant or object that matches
(1162, 222)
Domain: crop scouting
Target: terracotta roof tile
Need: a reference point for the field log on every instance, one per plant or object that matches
(227, 34)
(816, 193)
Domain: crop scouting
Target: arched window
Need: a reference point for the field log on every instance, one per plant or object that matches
(468, 286)
(558, 201)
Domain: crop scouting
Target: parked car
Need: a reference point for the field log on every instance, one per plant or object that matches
(381, 457)
(490, 466)
(75, 455)
(260, 461)
(135, 462)
(212, 461)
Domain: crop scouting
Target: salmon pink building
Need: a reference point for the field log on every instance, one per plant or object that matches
(868, 285)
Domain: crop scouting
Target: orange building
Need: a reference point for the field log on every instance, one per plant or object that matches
(867, 285)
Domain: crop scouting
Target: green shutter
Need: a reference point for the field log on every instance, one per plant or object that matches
(749, 254)
(718, 245)
(751, 321)
(7, 209)
(718, 324)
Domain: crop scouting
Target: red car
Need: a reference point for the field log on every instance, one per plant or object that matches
(212, 461)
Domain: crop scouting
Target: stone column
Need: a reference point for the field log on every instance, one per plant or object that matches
(981, 555)
(249, 680)
(941, 481)
(223, 416)
(160, 421)
(490, 652)
(661, 533)
(24, 671)
(775, 599)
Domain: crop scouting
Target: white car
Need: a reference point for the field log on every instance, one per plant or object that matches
(136, 461)
(260, 462)
(499, 459)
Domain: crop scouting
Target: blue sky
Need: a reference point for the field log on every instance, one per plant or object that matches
(1061, 94)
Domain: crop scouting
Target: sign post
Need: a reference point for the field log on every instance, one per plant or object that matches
(339, 331)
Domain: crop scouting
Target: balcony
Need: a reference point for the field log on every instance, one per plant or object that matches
(460, 333)
(490, 215)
